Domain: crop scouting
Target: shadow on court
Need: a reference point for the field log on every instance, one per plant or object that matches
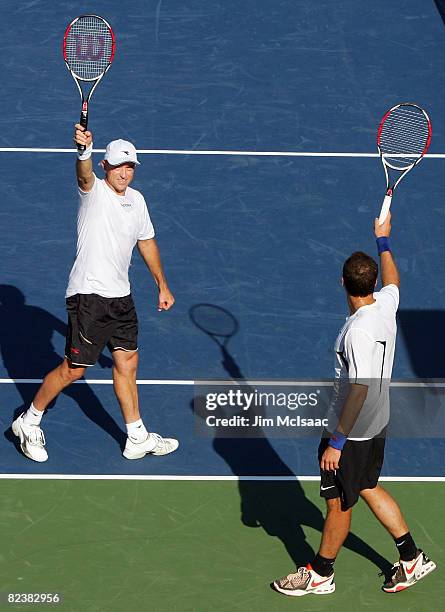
(28, 353)
(420, 330)
(440, 5)
(280, 508)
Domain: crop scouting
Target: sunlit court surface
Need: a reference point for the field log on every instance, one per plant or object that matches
(255, 125)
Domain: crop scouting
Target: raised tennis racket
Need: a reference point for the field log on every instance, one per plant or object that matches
(88, 49)
(403, 138)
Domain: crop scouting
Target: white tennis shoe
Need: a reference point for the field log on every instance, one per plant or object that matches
(303, 582)
(32, 439)
(153, 445)
(406, 573)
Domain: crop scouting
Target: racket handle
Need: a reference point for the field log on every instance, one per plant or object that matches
(385, 208)
(84, 123)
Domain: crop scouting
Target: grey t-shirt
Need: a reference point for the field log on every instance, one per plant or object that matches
(364, 354)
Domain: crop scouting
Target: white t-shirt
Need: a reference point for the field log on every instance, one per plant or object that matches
(108, 228)
(364, 352)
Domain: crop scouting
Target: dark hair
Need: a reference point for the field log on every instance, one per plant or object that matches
(360, 273)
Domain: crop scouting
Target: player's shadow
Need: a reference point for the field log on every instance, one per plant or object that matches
(420, 329)
(28, 353)
(280, 508)
(440, 5)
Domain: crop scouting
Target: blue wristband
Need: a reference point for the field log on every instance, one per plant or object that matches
(383, 244)
(338, 440)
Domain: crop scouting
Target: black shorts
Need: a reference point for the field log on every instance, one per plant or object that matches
(95, 322)
(359, 468)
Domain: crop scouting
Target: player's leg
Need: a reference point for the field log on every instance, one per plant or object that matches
(413, 563)
(318, 576)
(140, 442)
(125, 365)
(123, 346)
(55, 381)
(27, 426)
(335, 530)
(341, 491)
(82, 348)
(386, 510)
(80, 352)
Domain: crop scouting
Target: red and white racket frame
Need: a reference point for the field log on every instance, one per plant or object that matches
(390, 188)
(86, 99)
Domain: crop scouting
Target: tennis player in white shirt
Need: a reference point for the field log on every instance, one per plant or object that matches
(112, 220)
(351, 454)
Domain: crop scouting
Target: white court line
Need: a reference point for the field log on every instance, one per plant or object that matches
(200, 478)
(195, 152)
(270, 383)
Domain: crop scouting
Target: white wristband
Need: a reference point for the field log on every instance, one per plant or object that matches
(83, 155)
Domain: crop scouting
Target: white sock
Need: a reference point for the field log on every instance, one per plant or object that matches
(33, 416)
(136, 431)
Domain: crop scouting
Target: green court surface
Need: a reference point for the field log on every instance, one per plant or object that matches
(186, 546)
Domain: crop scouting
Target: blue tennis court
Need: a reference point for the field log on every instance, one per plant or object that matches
(255, 124)
(262, 236)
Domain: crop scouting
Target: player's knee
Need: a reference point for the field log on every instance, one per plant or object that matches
(370, 493)
(72, 373)
(334, 505)
(126, 365)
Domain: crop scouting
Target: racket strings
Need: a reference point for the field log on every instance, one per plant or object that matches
(88, 47)
(405, 131)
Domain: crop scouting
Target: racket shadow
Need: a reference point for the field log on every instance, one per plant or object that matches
(26, 346)
(280, 508)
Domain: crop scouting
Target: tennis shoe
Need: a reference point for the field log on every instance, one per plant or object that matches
(32, 439)
(304, 582)
(153, 445)
(406, 573)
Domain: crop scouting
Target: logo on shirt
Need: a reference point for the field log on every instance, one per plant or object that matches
(126, 204)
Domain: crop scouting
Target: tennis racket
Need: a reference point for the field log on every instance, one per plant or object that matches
(403, 138)
(88, 50)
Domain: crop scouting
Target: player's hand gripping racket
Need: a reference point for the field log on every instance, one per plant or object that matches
(88, 49)
(403, 138)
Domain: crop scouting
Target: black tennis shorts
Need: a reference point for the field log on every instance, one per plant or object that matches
(95, 322)
(360, 466)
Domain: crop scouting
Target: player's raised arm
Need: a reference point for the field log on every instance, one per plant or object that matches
(84, 164)
(389, 271)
